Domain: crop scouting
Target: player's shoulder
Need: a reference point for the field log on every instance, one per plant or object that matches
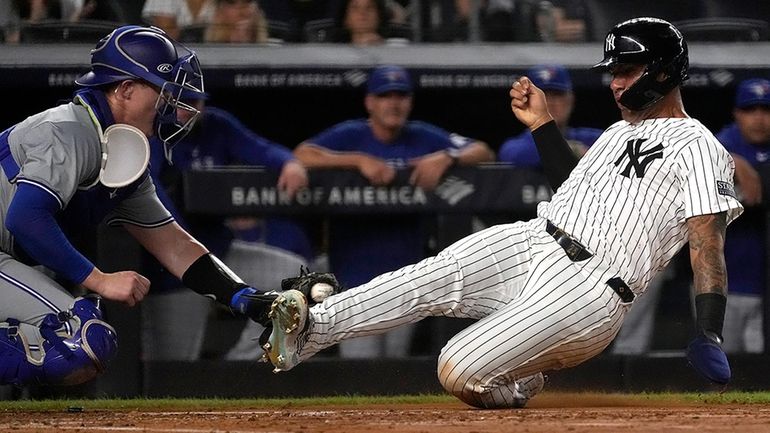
(520, 150)
(351, 126)
(422, 127)
(210, 112)
(677, 132)
(690, 134)
(584, 134)
(523, 140)
(66, 123)
(730, 135)
(343, 135)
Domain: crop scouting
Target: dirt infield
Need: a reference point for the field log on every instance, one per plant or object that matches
(547, 413)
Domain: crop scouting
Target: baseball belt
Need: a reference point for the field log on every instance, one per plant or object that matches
(574, 249)
(577, 252)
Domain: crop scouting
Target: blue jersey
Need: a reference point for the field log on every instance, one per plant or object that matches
(361, 248)
(219, 139)
(522, 152)
(745, 242)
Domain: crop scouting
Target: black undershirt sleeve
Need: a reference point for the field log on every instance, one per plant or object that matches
(557, 157)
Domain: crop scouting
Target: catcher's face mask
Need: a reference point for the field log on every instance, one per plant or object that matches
(149, 54)
(125, 155)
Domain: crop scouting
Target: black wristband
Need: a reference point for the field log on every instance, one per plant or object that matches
(557, 157)
(212, 278)
(710, 312)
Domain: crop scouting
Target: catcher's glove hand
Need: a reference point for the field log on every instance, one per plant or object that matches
(306, 283)
(707, 357)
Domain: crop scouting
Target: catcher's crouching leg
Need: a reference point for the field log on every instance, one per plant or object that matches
(64, 359)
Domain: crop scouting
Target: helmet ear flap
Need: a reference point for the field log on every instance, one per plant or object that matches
(645, 91)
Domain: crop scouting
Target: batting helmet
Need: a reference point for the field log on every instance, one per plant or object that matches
(652, 42)
(147, 53)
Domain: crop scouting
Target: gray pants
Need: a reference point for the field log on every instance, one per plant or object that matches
(28, 295)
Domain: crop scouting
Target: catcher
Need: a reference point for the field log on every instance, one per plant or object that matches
(70, 167)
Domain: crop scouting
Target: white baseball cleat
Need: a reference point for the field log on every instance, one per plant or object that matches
(527, 388)
(289, 317)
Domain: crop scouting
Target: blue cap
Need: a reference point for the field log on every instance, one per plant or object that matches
(755, 91)
(389, 78)
(550, 77)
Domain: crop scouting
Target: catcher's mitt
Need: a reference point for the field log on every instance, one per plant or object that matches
(307, 280)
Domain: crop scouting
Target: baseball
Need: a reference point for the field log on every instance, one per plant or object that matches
(321, 291)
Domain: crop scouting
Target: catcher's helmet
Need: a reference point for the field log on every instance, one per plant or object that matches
(147, 53)
(652, 42)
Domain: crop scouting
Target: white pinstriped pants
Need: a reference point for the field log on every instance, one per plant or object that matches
(538, 310)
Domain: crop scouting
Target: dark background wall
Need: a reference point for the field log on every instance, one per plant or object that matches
(290, 115)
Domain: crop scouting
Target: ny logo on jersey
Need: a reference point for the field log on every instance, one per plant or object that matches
(634, 153)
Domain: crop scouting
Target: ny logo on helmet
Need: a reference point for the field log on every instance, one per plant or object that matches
(164, 68)
(609, 44)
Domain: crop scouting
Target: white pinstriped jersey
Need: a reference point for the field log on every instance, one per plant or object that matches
(629, 197)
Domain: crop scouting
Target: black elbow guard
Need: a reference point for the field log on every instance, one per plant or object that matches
(212, 278)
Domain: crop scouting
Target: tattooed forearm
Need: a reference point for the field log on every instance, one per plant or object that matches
(707, 237)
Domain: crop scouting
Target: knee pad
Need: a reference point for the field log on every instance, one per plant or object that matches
(66, 359)
(17, 365)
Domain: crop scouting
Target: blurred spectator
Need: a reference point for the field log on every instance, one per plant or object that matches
(38, 10)
(748, 140)
(361, 248)
(21, 12)
(499, 21)
(535, 20)
(237, 21)
(174, 15)
(569, 21)
(362, 22)
(219, 139)
(290, 17)
(18, 14)
(555, 81)
(446, 20)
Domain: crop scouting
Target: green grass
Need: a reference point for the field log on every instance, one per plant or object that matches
(173, 404)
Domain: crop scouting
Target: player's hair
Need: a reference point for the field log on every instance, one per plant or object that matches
(652, 42)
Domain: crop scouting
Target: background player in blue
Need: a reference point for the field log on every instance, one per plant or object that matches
(555, 81)
(218, 139)
(363, 248)
(748, 140)
(67, 169)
